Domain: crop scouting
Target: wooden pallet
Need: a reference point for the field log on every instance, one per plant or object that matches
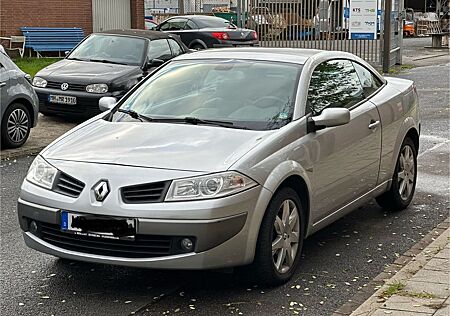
(428, 27)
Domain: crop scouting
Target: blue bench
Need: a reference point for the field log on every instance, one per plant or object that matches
(51, 39)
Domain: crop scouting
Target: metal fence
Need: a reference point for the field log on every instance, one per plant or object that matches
(317, 24)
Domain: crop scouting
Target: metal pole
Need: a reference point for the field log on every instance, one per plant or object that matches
(181, 7)
(239, 13)
(387, 35)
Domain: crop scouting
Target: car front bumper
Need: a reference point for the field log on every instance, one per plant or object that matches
(220, 241)
(87, 103)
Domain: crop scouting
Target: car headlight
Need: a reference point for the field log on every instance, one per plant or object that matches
(42, 173)
(39, 82)
(97, 88)
(210, 186)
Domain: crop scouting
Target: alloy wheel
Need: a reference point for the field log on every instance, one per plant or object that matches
(17, 125)
(406, 173)
(286, 236)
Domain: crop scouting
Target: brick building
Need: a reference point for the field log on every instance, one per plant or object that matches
(90, 15)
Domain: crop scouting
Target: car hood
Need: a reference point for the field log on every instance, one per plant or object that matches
(156, 145)
(85, 72)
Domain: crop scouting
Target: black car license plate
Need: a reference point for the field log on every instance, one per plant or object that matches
(63, 99)
(98, 226)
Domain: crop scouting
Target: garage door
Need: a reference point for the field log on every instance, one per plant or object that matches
(110, 14)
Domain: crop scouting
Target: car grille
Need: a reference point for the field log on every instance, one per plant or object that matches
(68, 185)
(145, 193)
(143, 246)
(72, 86)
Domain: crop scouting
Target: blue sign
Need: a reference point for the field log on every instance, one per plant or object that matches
(362, 36)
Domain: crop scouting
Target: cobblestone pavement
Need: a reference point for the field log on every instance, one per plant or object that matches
(421, 287)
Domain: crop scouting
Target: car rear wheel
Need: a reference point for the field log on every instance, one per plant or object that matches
(280, 239)
(403, 184)
(198, 47)
(16, 125)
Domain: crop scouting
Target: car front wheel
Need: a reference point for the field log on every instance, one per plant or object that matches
(16, 125)
(280, 239)
(404, 180)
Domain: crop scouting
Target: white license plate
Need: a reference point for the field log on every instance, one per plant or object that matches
(63, 99)
(98, 226)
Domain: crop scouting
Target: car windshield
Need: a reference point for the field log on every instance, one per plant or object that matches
(110, 49)
(248, 94)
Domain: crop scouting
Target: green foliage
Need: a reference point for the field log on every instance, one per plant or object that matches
(33, 65)
(393, 288)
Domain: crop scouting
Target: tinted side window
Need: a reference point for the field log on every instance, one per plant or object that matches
(176, 49)
(334, 84)
(159, 49)
(190, 25)
(173, 25)
(369, 82)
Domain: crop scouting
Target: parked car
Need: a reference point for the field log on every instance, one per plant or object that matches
(150, 25)
(104, 64)
(201, 32)
(18, 104)
(225, 158)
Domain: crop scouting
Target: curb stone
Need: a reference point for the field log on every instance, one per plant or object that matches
(20, 153)
(400, 270)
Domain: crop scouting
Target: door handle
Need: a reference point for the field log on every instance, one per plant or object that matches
(2, 84)
(373, 124)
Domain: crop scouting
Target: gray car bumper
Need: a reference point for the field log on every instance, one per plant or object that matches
(220, 242)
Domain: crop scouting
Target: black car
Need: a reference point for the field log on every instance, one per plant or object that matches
(202, 31)
(104, 64)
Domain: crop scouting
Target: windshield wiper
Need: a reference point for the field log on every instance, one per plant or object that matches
(75, 58)
(188, 120)
(196, 121)
(105, 61)
(136, 115)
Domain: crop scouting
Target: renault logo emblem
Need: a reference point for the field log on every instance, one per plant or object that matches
(64, 86)
(101, 190)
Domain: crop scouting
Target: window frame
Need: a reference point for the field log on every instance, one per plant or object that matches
(354, 106)
(382, 84)
(150, 46)
(176, 43)
(171, 21)
(193, 22)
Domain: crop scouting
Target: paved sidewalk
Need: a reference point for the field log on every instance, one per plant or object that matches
(48, 129)
(420, 288)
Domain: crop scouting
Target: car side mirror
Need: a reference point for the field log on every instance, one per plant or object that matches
(154, 63)
(106, 103)
(66, 53)
(330, 117)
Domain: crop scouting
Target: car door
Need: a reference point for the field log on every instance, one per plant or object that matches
(4, 85)
(347, 157)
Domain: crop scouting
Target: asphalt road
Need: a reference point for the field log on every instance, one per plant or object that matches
(336, 262)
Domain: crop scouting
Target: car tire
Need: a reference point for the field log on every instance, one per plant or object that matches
(198, 47)
(401, 192)
(16, 125)
(268, 268)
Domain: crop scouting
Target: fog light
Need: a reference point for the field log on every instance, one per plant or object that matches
(33, 227)
(187, 244)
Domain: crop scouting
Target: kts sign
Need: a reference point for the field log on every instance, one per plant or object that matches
(363, 19)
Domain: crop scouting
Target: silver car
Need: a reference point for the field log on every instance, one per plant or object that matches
(225, 158)
(19, 104)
